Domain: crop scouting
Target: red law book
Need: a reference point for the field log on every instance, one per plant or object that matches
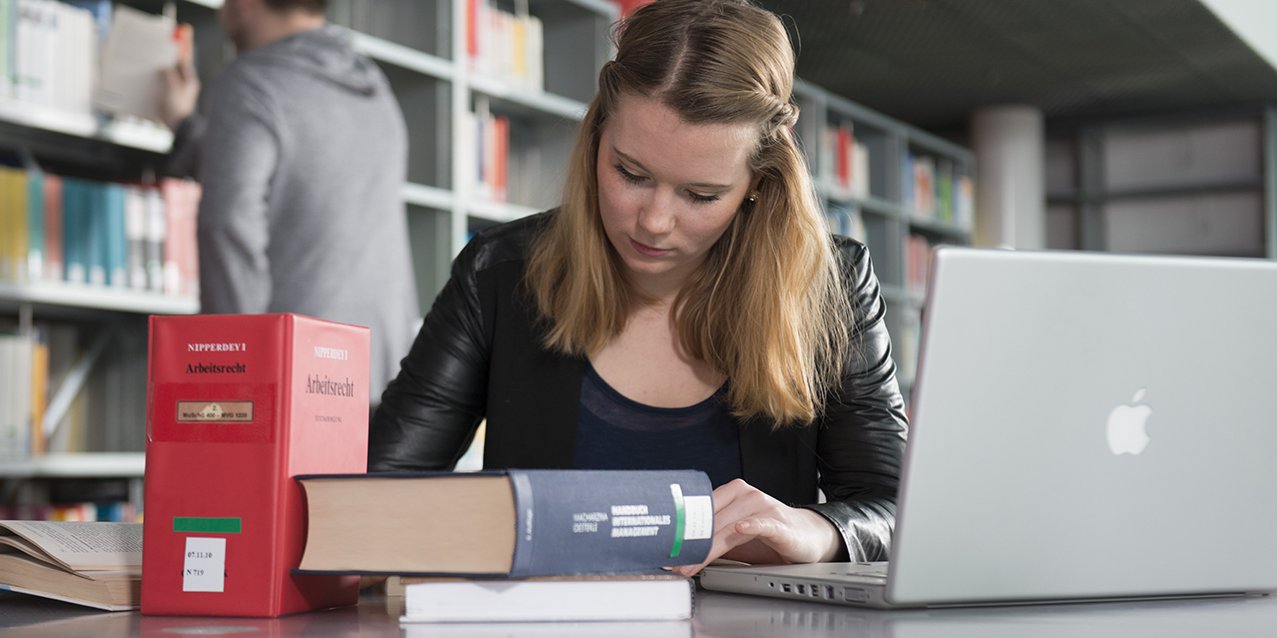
(237, 405)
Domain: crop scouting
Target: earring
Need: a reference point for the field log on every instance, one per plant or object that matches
(753, 197)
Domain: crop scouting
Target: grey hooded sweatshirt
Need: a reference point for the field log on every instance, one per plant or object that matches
(302, 160)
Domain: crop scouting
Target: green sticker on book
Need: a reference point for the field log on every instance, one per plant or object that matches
(201, 525)
(680, 516)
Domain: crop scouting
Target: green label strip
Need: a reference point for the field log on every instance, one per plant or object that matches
(680, 516)
(200, 525)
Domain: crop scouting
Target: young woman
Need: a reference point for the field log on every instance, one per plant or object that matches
(684, 307)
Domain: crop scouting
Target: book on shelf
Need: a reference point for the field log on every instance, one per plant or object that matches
(139, 47)
(174, 211)
(924, 186)
(100, 11)
(109, 235)
(846, 160)
(964, 201)
(397, 21)
(115, 511)
(13, 209)
(15, 412)
(237, 406)
(491, 161)
(621, 597)
(135, 238)
(505, 46)
(510, 523)
(105, 415)
(936, 188)
(49, 56)
(24, 366)
(51, 220)
(92, 564)
(917, 263)
(944, 203)
(35, 258)
(38, 374)
(74, 231)
(73, 499)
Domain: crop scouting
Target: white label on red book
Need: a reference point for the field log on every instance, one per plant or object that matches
(204, 566)
(700, 517)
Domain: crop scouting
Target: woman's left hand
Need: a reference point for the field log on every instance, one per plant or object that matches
(752, 527)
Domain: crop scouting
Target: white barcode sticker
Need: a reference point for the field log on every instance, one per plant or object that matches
(700, 517)
(204, 566)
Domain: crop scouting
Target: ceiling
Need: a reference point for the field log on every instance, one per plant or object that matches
(932, 62)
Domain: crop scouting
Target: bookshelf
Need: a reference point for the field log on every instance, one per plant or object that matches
(439, 86)
(1200, 183)
(421, 46)
(898, 189)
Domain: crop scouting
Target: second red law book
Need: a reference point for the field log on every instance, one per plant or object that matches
(237, 405)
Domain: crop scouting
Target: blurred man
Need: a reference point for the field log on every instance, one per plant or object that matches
(301, 153)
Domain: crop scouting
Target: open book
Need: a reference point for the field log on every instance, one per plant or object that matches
(93, 564)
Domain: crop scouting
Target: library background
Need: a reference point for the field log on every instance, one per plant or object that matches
(1140, 126)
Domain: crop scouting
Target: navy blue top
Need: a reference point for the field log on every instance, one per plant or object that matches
(616, 433)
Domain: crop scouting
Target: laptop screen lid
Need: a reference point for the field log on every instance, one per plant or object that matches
(1090, 425)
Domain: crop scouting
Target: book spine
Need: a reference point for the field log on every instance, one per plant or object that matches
(115, 236)
(11, 444)
(72, 231)
(13, 224)
(39, 390)
(35, 226)
(95, 212)
(156, 232)
(190, 266)
(327, 412)
(173, 245)
(135, 232)
(53, 227)
(609, 521)
(6, 225)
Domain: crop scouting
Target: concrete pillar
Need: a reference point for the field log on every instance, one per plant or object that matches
(1009, 144)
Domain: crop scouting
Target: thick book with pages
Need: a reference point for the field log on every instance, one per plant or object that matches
(628, 597)
(515, 523)
(237, 406)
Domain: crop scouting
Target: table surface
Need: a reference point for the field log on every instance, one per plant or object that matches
(717, 614)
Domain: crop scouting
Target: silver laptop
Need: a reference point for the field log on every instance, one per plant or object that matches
(720, 615)
(1085, 426)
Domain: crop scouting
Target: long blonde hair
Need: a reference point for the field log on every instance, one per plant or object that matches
(769, 307)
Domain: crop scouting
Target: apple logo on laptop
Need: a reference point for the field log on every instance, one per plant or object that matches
(1126, 433)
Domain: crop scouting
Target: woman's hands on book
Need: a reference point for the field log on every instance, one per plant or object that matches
(753, 527)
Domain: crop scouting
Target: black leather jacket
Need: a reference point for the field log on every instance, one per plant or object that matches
(479, 355)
